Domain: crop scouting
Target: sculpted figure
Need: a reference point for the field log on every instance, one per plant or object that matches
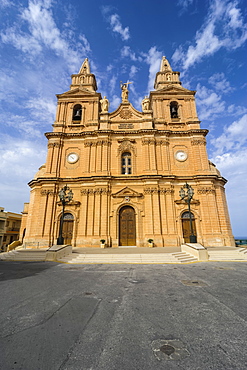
(145, 104)
(104, 104)
(125, 91)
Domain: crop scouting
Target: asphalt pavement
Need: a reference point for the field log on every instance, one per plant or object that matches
(123, 317)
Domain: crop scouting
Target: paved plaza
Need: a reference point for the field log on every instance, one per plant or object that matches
(122, 316)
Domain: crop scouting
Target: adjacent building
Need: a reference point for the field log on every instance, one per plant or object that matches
(10, 224)
(126, 169)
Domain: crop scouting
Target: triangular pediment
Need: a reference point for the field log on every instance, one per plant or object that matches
(126, 192)
(125, 112)
(175, 89)
(77, 92)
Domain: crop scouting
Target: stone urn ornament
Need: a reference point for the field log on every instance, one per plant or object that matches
(102, 243)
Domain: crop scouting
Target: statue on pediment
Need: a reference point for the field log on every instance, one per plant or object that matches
(145, 104)
(104, 105)
(125, 91)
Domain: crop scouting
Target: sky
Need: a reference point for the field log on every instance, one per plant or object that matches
(43, 42)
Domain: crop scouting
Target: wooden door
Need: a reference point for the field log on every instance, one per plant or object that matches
(186, 226)
(127, 227)
(68, 223)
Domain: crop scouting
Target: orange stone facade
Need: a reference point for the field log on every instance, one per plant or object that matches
(126, 169)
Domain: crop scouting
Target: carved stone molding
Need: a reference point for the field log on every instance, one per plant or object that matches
(103, 142)
(206, 190)
(166, 191)
(148, 141)
(151, 191)
(47, 192)
(94, 191)
(162, 142)
(126, 145)
(198, 142)
(125, 113)
(89, 143)
(54, 145)
(156, 191)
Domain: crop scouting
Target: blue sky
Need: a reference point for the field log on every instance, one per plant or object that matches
(42, 42)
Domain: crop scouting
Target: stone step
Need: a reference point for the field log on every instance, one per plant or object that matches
(184, 257)
(24, 255)
(124, 258)
(228, 255)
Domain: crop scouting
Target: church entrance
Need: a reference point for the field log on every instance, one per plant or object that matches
(68, 224)
(127, 227)
(186, 226)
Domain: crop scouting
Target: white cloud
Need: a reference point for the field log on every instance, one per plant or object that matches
(153, 59)
(223, 27)
(220, 83)
(109, 68)
(43, 33)
(19, 161)
(233, 138)
(126, 52)
(112, 84)
(43, 109)
(208, 102)
(118, 28)
(115, 102)
(133, 71)
(232, 166)
(86, 44)
(6, 3)
(184, 4)
(115, 23)
(20, 158)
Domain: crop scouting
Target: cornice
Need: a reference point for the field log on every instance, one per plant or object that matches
(63, 135)
(128, 178)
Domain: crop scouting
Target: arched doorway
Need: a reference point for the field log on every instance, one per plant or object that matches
(68, 224)
(186, 225)
(127, 226)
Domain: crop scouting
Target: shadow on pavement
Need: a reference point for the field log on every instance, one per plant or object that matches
(19, 270)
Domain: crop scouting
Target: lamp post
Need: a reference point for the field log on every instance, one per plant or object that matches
(65, 196)
(186, 193)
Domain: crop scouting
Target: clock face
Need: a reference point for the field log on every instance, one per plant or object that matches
(181, 156)
(72, 157)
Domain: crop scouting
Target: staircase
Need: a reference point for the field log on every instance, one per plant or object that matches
(184, 257)
(24, 255)
(231, 254)
(148, 258)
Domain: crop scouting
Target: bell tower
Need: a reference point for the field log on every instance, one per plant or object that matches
(173, 105)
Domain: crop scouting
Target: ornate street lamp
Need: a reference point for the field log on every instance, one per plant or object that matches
(186, 193)
(65, 196)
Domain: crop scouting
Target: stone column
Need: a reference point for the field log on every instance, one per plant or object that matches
(87, 150)
(97, 212)
(163, 210)
(93, 157)
(170, 211)
(149, 222)
(106, 157)
(99, 156)
(104, 219)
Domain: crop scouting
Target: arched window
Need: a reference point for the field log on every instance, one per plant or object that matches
(126, 164)
(174, 109)
(77, 110)
(186, 215)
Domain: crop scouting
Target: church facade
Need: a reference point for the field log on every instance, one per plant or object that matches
(126, 170)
